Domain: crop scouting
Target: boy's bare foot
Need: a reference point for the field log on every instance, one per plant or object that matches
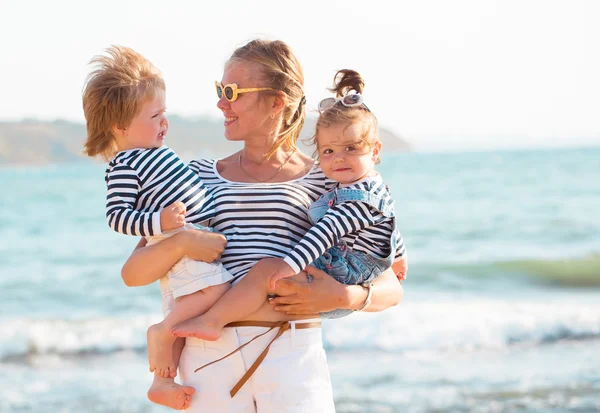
(198, 327)
(160, 351)
(168, 393)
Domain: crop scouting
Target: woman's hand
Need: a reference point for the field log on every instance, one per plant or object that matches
(324, 293)
(149, 263)
(298, 296)
(203, 245)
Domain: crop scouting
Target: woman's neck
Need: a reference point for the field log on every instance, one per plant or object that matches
(284, 165)
(255, 155)
(256, 147)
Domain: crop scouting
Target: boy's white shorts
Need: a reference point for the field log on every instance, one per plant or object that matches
(293, 377)
(188, 276)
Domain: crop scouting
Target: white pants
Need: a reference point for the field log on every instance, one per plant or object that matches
(292, 378)
(188, 276)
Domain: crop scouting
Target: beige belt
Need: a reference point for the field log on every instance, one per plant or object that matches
(283, 327)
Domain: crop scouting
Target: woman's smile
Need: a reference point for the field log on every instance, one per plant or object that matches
(229, 120)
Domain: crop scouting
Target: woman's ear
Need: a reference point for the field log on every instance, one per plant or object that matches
(279, 102)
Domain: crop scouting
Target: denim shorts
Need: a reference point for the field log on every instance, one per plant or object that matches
(346, 265)
(351, 268)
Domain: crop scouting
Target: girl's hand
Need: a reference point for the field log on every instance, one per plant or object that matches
(298, 296)
(400, 267)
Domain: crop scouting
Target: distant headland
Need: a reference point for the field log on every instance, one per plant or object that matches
(36, 142)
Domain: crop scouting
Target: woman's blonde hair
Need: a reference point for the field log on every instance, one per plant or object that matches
(280, 70)
(115, 90)
(346, 81)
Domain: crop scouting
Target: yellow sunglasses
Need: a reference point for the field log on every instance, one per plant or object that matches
(231, 90)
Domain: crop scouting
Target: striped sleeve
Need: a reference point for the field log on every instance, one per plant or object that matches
(340, 220)
(123, 188)
(200, 205)
(194, 166)
(400, 248)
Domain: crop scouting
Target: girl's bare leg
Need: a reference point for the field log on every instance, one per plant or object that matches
(241, 300)
(160, 339)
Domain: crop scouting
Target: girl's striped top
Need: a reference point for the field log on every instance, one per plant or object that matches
(260, 220)
(360, 225)
(141, 182)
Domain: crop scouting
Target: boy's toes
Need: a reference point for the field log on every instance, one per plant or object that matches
(188, 400)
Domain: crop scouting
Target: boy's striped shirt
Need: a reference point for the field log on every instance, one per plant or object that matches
(141, 182)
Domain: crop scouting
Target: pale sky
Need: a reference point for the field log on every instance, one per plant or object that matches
(468, 74)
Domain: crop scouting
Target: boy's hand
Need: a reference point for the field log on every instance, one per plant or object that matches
(173, 216)
(283, 270)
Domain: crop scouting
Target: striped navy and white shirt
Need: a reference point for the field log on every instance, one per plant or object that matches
(141, 182)
(260, 220)
(360, 225)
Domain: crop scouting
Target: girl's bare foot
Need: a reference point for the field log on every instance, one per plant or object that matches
(160, 351)
(166, 392)
(198, 327)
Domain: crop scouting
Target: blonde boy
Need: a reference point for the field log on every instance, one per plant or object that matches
(150, 193)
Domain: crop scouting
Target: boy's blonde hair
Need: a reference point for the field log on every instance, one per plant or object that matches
(280, 70)
(120, 83)
(344, 82)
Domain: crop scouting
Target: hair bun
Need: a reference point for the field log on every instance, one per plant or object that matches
(346, 81)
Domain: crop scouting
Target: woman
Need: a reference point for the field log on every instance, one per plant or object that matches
(262, 194)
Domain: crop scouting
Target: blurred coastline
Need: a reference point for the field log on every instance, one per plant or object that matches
(36, 142)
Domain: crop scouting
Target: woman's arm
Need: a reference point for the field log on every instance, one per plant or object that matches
(387, 292)
(324, 293)
(147, 264)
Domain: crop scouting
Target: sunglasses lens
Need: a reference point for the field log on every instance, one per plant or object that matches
(352, 100)
(228, 92)
(219, 92)
(326, 104)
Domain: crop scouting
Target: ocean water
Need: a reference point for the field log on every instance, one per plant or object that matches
(501, 310)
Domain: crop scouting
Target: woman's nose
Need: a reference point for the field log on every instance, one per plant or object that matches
(223, 104)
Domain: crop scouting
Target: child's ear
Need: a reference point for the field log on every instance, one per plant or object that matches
(376, 150)
(118, 131)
